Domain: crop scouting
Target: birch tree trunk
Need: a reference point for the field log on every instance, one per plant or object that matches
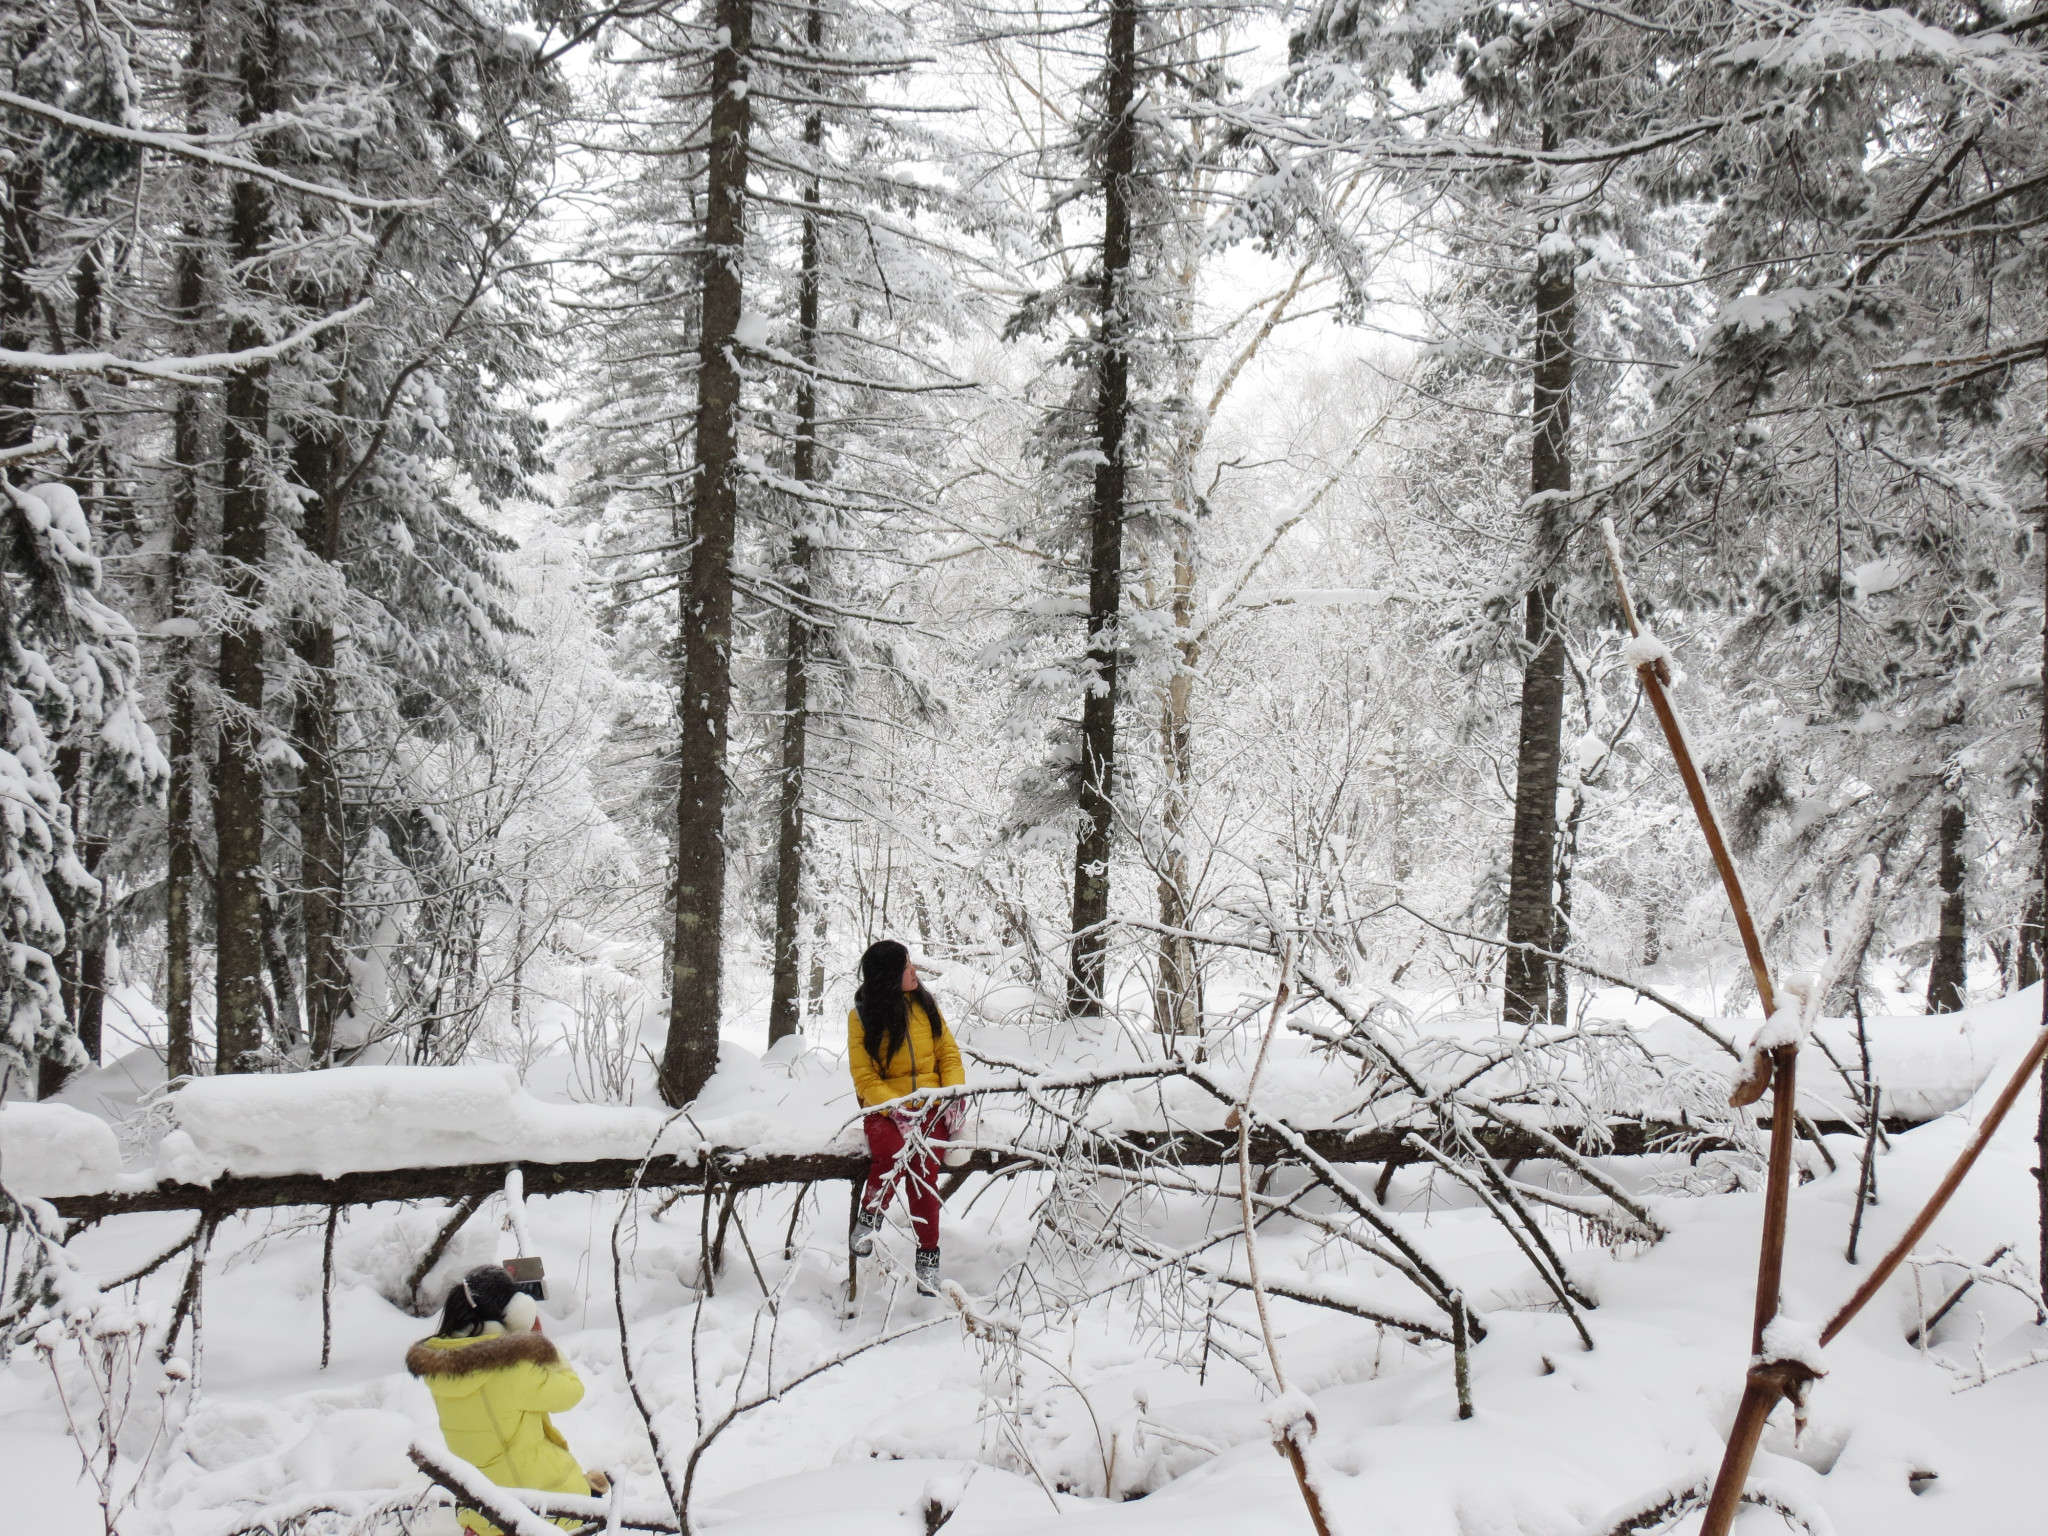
(696, 975)
(1106, 526)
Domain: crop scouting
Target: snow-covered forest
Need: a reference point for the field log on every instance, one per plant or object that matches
(1425, 616)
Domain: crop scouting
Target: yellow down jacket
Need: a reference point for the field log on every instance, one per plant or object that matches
(494, 1395)
(928, 1058)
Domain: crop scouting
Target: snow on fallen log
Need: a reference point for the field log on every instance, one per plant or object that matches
(372, 1119)
(53, 1149)
(360, 1135)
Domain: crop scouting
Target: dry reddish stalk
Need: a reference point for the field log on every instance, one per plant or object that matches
(1656, 676)
(1779, 1070)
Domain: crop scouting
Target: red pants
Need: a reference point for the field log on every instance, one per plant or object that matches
(890, 1164)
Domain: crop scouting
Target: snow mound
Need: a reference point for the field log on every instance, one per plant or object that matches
(1926, 1065)
(52, 1149)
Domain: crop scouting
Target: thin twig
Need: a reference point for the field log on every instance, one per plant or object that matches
(461, 1211)
(327, 1287)
(1554, 1283)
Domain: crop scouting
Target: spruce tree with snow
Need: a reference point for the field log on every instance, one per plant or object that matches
(1847, 470)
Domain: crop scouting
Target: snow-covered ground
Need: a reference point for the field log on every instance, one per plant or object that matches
(1139, 1410)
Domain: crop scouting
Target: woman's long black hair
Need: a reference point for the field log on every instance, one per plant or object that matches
(479, 1297)
(884, 1019)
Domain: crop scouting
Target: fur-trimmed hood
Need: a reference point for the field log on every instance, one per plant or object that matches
(470, 1357)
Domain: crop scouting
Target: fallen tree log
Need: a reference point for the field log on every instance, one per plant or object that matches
(737, 1168)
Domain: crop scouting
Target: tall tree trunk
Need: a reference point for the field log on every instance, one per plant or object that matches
(188, 453)
(784, 1000)
(1177, 1000)
(238, 799)
(2041, 899)
(1532, 858)
(1948, 986)
(89, 944)
(2029, 961)
(1106, 524)
(696, 973)
(318, 456)
(188, 450)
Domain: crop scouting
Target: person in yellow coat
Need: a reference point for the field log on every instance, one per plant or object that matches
(496, 1378)
(896, 1044)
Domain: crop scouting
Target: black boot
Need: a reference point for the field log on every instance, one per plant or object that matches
(862, 1239)
(928, 1271)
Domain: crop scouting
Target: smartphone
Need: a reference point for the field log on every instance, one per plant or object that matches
(530, 1276)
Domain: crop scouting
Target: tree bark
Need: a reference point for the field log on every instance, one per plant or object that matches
(318, 457)
(785, 997)
(1561, 931)
(1106, 523)
(187, 449)
(814, 999)
(2041, 906)
(1177, 1001)
(1948, 986)
(750, 1168)
(696, 974)
(1533, 851)
(188, 452)
(238, 798)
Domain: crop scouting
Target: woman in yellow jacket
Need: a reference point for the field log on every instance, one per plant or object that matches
(495, 1378)
(897, 1043)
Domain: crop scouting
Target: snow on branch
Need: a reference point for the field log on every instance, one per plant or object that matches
(475, 1491)
(34, 450)
(176, 370)
(187, 149)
